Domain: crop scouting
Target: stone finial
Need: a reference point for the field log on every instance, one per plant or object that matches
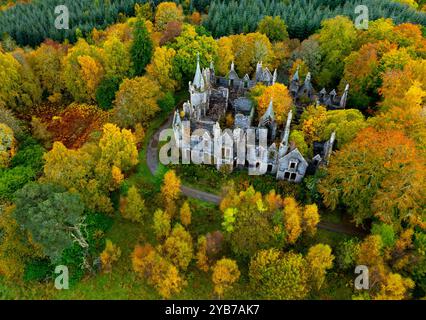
(308, 78)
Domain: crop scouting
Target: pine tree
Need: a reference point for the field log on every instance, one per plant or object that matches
(142, 47)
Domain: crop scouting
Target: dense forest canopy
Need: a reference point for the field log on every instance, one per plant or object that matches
(302, 17)
(225, 17)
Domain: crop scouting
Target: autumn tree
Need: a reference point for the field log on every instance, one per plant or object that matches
(161, 224)
(277, 275)
(159, 272)
(117, 148)
(167, 12)
(90, 169)
(201, 255)
(292, 220)
(132, 207)
(187, 46)
(162, 69)
(281, 99)
(402, 107)
(178, 247)
(337, 38)
(298, 139)
(248, 224)
(308, 53)
(225, 55)
(185, 214)
(117, 58)
(142, 47)
(144, 10)
(136, 101)
(83, 71)
(347, 253)
(312, 123)
(319, 260)
(362, 72)
(110, 255)
(250, 49)
(8, 145)
(377, 158)
(310, 218)
(274, 28)
(346, 123)
(46, 63)
(20, 88)
(395, 287)
(225, 273)
(170, 190)
(10, 80)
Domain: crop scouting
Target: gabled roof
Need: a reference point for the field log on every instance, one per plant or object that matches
(232, 73)
(295, 153)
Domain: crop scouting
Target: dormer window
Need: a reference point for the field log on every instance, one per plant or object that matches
(293, 165)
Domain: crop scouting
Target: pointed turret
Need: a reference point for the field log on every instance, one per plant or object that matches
(294, 84)
(296, 74)
(344, 98)
(198, 82)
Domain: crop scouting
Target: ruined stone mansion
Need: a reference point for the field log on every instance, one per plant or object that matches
(213, 97)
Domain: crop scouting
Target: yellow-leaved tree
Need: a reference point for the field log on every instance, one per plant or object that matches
(161, 68)
(159, 272)
(225, 274)
(319, 259)
(110, 255)
(281, 100)
(133, 207)
(170, 191)
(7, 145)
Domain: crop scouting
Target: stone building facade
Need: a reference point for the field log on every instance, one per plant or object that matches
(212, 97)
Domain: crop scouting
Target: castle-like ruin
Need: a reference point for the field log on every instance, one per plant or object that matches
(212, 97)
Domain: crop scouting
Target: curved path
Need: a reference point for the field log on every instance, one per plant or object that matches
(152, 162)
